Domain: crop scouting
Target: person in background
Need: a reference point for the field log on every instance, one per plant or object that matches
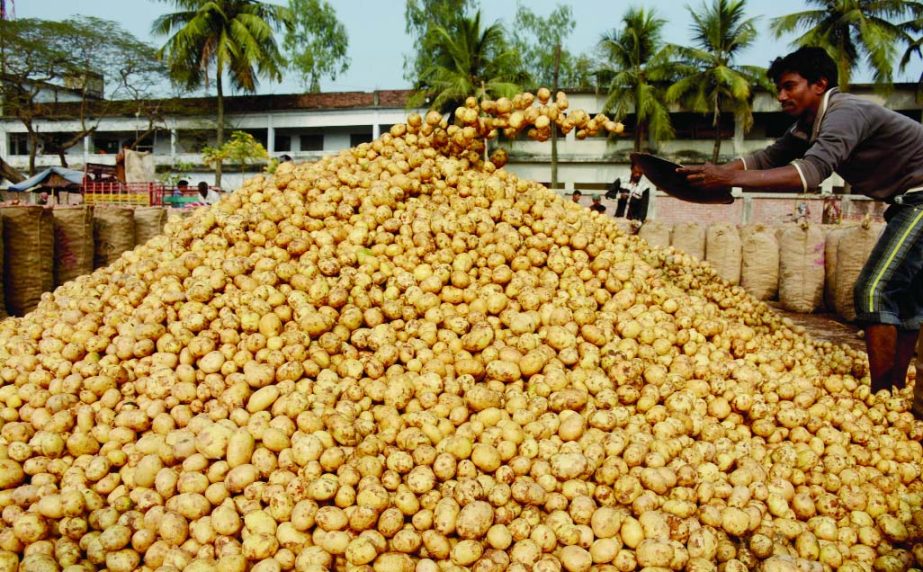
(285, 158)
(209, 195)
(638, 197)
(802, 211)
(181, 187)
(597, 204)
(880, 153)
(621, 202)
(831, 213)
(42, 199)
(575, 196)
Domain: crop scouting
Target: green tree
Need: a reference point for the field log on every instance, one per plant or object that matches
(241, 149)
(540, 42)
(710, 81)
(854, 30)
(42, 59)
(421, 18)
(640, 68)
(235, 38)
(316, 43)
(469, 61)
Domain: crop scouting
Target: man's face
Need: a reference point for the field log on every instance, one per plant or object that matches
(575, 197)
(799, 97)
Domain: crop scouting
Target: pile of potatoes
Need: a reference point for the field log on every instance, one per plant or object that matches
(402, 358)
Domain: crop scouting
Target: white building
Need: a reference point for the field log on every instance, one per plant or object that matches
(309, 126)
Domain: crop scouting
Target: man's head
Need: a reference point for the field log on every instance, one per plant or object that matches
(182, 184)
(596, 199)
(575, 196)
(802, 78)
(203, 188)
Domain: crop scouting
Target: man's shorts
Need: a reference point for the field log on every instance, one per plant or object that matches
(889, 289)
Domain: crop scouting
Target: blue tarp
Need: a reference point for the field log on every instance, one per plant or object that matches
(71, 175)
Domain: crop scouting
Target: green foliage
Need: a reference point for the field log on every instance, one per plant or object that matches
(178, 171)
(236, 37)
(82, 54)
(640, 70)
(710, 81)
(421, 19)
(241, 149)
(469, 61)
(233, 37)
(855, 30)
(317, 42)
(535, 38)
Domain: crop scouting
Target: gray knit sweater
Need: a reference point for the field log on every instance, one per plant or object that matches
(876, 150)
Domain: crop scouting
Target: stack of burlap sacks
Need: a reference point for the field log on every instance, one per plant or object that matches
(806, 267)
(44, 247)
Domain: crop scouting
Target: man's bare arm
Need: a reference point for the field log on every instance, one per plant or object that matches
(708, 176)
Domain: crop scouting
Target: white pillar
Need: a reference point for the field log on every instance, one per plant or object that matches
(738, 137)
(173, 138)
(376, 128)
(270, 135)
(86, 149)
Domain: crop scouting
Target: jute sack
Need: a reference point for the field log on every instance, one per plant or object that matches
(3, 313)
(831, 242)
(722, 251)
(690, 238)
(656, 233)
(855, 245)
(759, 272)
(114, 233)
(801, 268)
(28, 267)
(73, 242)
(149, 223)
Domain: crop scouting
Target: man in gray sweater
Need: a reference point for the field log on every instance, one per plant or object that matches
(880, 153)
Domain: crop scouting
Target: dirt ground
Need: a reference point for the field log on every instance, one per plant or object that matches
(826, 327)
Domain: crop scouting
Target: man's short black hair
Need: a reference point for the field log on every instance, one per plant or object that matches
(577, 193)
(182, 183)
(810, 63)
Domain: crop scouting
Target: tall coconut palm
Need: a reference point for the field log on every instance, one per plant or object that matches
(711, 82)
(853, 30)
(469, 61)
(230, 37)
(640, 68)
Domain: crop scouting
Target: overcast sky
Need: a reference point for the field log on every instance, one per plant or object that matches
(378, 44)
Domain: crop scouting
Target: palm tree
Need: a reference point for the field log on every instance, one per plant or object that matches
(639, 68)
(467, 62)
(710, 81)
(852, 30)
(233, 37)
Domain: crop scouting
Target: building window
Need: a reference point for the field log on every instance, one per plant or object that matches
(359, 138)
(283, 143)
(312, 142)
(19, 144)
(106, 145)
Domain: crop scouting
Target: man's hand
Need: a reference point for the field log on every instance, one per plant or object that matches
(708, 176)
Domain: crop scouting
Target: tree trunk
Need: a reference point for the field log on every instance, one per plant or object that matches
(219, 139)
(554, 126)
(62, 155)
(33, 149)
(9, 173)
(639, 135)
(717, 124)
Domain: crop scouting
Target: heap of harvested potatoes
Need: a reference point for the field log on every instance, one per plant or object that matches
(403, 359)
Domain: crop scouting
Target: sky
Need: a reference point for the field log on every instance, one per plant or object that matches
(378, 43)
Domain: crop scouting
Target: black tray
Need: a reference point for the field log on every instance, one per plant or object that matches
(664, 176)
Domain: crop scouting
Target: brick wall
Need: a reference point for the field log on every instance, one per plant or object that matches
(762, 209)
(671, 210)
